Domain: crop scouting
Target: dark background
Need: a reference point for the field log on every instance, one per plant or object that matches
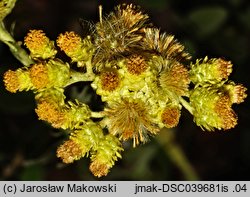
(216, 28)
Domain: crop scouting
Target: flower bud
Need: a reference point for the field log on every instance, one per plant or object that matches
(210, 71)
(50, 112)
(80, 143)
(51, 74)
(236, 92)
(39, 45)
(136, 64)
(212, 109)
(74, 47)
(174, 80)
(76, 115)
(109, 79)
(106, 154)
(170, 116)
(18, 80)
(70, 151)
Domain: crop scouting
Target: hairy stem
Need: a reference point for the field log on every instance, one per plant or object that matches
(97, 114)
(186, 105)
(177, 156)
(79, 77)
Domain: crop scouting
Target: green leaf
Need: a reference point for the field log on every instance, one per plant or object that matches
(207, 20)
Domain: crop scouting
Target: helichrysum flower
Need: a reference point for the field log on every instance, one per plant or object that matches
(131, 15)
(164, 45)
(170, 116)
(118, 33)
(70, 151)
(212, 109)
(39, 45)
(39, 75)
(76, 115)
(210, 71)
(136, 64)
(140, 73)
(109, 79)
(51, 112)
(55, 95)
(18, 80)
(76, 48)
(49, 74)
(80, 143)
(174, 79)
(105, 155)
(130, 120)
(67, 116)
(236, 92)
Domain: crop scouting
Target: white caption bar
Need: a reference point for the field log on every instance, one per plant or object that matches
(124, 188)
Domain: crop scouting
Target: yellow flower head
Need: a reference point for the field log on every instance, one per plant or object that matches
(107, 152)
(212, 109)
(39, 45)
(224, 111)
(18, 80)
(130, 120)
(74, 47)
(70, 43)
(210, 71)
(99, 169)
(52, 95)
(170, 116)
(70, 151)
(50, 74)
(110, 79)
(50, 112)
(11, 81)
(80, 143)
(39, 75)
(76, 115)
(236, 92)
(174, 80)
(136, 64)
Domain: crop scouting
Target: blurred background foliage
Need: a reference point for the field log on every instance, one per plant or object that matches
(217, 28)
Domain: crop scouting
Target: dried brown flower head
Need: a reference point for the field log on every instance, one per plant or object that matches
(164, 45)
(175, 79)
(130, 120)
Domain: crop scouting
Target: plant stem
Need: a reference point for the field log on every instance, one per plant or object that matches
(6, 8)
(97, 114)
(186, 105)
(78, 77)
(19, 53)
(176, 154)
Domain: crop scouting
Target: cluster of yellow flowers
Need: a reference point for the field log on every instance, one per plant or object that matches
(142, 75)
